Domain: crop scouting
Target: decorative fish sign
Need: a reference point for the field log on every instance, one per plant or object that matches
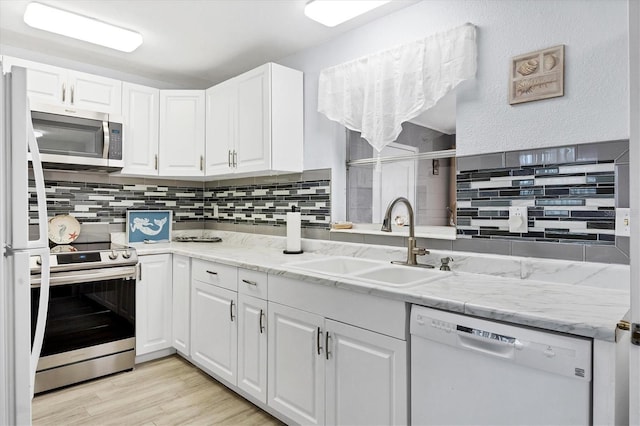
(145, 226)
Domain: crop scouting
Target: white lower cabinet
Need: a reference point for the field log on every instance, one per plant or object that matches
(252, 346)
(325, 372)
(296, 364)
(366, 376)
(310, 353)
(153, 303)
(214, 329)
(181, 303)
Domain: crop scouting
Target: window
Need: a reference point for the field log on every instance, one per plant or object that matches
(418, 166)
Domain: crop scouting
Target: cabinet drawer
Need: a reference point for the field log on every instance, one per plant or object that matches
(253, 283)
(215, 273)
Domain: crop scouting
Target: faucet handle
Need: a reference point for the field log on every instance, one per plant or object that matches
(420, 251)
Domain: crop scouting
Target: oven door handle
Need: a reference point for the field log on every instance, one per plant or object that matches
(88, 276)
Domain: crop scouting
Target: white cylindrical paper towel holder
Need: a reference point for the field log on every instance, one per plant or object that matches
(293, 232)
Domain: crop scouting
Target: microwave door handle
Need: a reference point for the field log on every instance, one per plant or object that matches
(105, 129)
(43, 232)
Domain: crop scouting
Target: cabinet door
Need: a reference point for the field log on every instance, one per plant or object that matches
(296, 364)
(153, 304)
(214, 330)
(366, 377)
(140, 110)
(253, 120)
(220, 101)
(181, 303)
(252, 346)
(181, 148)
(95, 93)
(45, 83)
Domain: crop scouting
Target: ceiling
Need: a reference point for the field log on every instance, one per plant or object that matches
(188, 43)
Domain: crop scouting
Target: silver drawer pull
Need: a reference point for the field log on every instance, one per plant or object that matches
(250, 282)
(261, 321)
(211, 272)
(231, 311)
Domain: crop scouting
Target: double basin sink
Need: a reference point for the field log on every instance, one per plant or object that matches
(373, 271)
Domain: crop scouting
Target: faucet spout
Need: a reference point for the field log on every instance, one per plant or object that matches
(412, 250)
(386, 222)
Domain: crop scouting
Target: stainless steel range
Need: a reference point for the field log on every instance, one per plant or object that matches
(90, 328)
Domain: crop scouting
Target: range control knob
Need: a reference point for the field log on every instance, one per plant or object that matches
(126, 254)
(113, 255)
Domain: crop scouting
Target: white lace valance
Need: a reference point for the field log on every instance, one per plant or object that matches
(375, 94)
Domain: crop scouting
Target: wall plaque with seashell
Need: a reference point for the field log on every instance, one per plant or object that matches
(537, 75)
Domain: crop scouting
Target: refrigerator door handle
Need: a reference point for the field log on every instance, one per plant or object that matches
(43, 240)
(43, 307)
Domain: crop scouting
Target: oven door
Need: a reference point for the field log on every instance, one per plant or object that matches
(90, 328)
(77, 139)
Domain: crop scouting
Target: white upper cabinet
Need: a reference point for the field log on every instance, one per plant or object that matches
(72, 89)
(220, 128)
(140, 111)
(255, 123)
(182, 118)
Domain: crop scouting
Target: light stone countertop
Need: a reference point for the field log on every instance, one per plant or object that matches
(590, 310)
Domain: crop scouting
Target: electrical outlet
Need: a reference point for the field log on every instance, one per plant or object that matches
(623, 222)
(215, 210)
(518, 219)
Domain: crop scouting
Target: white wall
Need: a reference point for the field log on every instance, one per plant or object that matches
(594, 107)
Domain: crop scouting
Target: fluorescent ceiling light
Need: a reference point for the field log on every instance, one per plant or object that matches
(334, 12)
(80, 27)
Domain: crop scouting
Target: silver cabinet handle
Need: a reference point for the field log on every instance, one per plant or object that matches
(250, 282)
(319, 348)
(139, 271)
(64, 92)
(235, 158)
(156, 162)
(229, 158)
(211, 272)
(326, 345)
(201, 162)
(231, 311)
(261, 321)
(71, 95)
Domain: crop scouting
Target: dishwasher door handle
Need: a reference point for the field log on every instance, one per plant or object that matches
(488, 346)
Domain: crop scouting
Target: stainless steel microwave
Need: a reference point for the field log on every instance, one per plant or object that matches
(74, 139)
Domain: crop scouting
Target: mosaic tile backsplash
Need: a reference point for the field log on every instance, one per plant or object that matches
(566, 202)
(268, 204)
(265, 204)
(108, 203)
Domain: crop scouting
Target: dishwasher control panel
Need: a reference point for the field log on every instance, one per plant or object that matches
(552, 352)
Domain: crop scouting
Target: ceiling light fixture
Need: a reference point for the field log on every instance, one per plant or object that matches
(332, 12)
(80, 27)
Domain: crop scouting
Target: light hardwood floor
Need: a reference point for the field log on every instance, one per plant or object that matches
(168, 391)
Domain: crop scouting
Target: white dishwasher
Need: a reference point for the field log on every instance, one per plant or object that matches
(469, 371)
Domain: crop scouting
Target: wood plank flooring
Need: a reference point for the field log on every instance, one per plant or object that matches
(168, 391)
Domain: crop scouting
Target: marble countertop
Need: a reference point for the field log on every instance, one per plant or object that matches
(588, 311)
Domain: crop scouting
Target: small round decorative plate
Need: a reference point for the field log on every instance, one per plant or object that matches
(63, 229)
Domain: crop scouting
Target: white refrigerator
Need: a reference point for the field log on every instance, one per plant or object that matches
(18, 355)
